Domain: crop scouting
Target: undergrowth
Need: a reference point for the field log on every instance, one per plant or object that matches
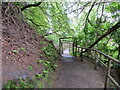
(42, 79)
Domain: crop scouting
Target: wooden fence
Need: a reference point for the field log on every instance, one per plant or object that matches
(97, 57)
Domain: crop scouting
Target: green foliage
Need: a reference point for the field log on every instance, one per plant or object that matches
(55, 65)
(113, 7)
(19, 49)
(22, 48)
(57, 18)
(45, 71)
(54, 17)
(40, 61)
(39, 76)
(30, 67)
(43, 42)
(15, 51)
(19, 84)
(10, 84)
(50, 51)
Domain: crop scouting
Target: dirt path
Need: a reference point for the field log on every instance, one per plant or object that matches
(73, 73)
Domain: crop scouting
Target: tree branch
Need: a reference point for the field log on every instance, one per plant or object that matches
(36, 23)
(64, 10)
(31, 5)
(87, 17)
(82, 9)
(115, 27)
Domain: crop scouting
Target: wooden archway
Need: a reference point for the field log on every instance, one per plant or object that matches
(74, 44)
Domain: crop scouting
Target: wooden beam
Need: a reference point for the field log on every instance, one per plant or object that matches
(113, 80)
(108, 73)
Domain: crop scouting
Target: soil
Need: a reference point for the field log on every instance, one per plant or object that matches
(73, 73)
(21, 46)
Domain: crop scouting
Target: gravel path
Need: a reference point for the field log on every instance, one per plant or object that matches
(73, 73)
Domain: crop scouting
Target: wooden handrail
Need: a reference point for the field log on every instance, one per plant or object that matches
(108, 76)
(113, 59)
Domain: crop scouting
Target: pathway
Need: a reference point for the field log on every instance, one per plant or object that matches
(73, 73)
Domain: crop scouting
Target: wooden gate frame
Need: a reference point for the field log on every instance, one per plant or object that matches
(74, 45)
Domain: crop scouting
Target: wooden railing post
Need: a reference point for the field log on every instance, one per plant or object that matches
(73, 45)
(59, 46)
(100, 57)
(81, 54)
(95, 60)
(87, 53)
(62, 47)
(107, 73)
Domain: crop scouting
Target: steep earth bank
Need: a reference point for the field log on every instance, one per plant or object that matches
(25, 54)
